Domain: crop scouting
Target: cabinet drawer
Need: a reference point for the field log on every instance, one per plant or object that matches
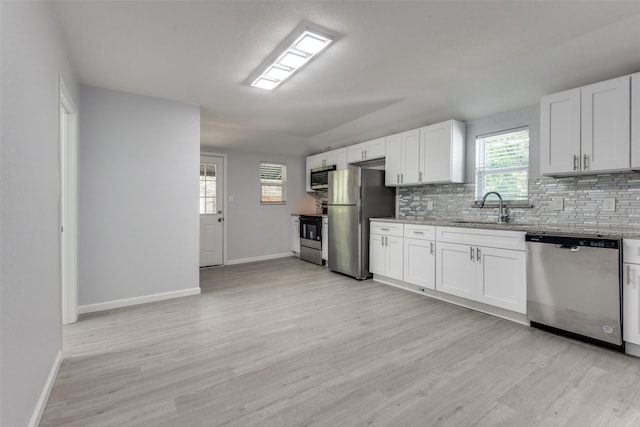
(387, 228)
(420, 232)
(500, 239)
(631, 251)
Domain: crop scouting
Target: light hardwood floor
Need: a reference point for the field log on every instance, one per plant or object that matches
(288, 343)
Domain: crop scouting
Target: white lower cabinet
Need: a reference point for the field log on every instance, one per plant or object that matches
(386, 250)
(420, 256)
(455, 271)
(325, 238)
(501, 278)
(631, 294)
(295, 234)
(491, 275)
(419, 262)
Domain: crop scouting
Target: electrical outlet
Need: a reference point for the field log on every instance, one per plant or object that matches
(609, 204)
(430, 205)
(558, 203)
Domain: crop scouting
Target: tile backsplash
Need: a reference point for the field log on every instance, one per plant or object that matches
(584, 199)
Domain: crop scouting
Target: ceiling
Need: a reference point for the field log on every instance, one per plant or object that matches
(397, 65)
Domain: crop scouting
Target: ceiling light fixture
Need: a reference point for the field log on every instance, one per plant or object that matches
(307, 43)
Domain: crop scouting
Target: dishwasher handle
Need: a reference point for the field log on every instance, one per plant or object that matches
(570, 247)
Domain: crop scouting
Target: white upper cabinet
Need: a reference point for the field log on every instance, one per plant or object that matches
(341, 158)
(635, 120)
(586, 130)
(442, 152)
(365, 151)
(403, 158)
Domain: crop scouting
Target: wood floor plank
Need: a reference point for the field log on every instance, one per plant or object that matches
(288, 343)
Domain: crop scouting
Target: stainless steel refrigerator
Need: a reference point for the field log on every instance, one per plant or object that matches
(355, 195)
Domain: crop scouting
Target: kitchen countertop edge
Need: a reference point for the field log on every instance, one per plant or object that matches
(592, 232)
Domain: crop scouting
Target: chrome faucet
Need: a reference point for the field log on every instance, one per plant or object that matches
(503, 215)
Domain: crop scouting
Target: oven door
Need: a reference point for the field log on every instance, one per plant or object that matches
(311, 228)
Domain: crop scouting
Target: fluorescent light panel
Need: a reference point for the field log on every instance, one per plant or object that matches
(305, 47)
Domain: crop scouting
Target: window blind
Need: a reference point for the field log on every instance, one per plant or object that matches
(273, 183)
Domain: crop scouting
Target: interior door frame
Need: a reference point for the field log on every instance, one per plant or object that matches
(68, 166)
(225, 200)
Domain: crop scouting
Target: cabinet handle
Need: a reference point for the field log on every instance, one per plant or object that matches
(628, 274)
(365, 154)
(362, 154)
(397, 178)
(386, 241)
(419, 176)
(478, 254)
(575, 162)
(471, 253)
(382, 240)
(431, 245)
(586, 162)
(384, 229)
(417, 232)
(402, 178)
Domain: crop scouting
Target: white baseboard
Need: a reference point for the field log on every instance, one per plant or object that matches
(109, 305)
(632, 349)
(259, 258)
(46, 391)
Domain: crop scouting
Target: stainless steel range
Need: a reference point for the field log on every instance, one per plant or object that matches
(311, 239)
(574, 287)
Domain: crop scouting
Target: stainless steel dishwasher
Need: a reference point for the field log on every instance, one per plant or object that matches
(574, 287)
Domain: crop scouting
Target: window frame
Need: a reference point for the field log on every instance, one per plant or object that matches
(482, 173)
(282, 184)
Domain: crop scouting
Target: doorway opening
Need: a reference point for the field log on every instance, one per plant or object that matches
(68, 204)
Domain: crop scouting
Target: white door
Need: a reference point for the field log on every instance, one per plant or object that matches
(435, 152)
(211, 210)
(393, 161)
(411, 157)
(377, 254)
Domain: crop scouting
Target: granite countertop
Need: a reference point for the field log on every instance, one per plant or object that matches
(530, 228)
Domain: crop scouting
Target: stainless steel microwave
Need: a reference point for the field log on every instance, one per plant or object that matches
(320, 177)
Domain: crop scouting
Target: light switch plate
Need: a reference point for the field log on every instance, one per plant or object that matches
(430, 205)
(558, 203)
(609, 204)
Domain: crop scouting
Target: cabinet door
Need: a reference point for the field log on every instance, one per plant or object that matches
(355, 153)
(419, 262)
(375, 149)
(560, 132)
(394, 264)
(377, 254)
(501, 278)
(310, 165)
(635, 120)
(341, 159)
(410, 157)
(325, 239)
(393, 161)
(605, 125)
(327, 159)
(295, 234)
(631, 303)
(455, 269)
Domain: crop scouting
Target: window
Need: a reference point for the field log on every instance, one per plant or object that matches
(273, 183)
(208, 188)
(502, 165)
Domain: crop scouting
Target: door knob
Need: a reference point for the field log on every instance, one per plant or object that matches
(219, 219)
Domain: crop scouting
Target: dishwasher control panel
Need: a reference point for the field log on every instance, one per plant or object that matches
(594, 242)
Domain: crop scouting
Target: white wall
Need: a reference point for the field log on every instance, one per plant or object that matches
(138, 196)
(255, 230)
(32, 57)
